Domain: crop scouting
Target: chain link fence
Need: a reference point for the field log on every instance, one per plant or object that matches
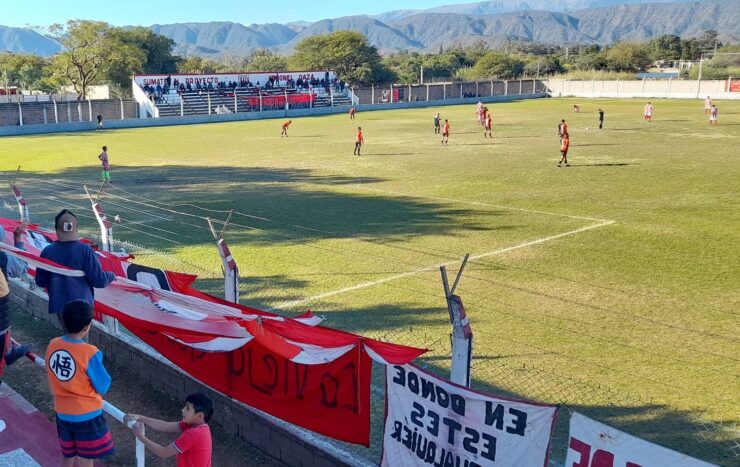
(170, 227)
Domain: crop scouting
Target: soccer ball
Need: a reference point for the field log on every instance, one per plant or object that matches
(587, 128)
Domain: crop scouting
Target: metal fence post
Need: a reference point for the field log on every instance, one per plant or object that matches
(491, 88)
(89, 109)
(56, 114)
(20, 114)
(427, 93)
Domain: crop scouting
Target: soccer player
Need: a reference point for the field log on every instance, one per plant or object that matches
(713, 115)
(649, 112)
(358, 141)
(707, 105)
(487, 127)
(576, 108)
(562, 128)
(352, 111)
(564, 144)
(103, 156)
(601, 119)
(437, 128)
(285, 128)
(445, 132)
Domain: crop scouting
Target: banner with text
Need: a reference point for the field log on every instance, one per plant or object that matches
(593, 444)
(215, 78)
(432, 421)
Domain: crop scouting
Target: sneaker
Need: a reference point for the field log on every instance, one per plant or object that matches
(567, 165)
(16, 352)
(558, 165)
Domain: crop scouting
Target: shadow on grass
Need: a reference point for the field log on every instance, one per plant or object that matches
(606, 164)
(273, 206)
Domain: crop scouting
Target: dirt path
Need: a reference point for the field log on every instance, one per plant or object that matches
(130, 394)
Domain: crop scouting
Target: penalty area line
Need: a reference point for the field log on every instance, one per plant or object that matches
(364, 285)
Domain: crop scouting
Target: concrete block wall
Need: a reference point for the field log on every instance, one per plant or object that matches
(292, 445)
(40, 113)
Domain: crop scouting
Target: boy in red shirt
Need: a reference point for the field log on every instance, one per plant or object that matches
(564, 144)
(358, 141)
(487, 126)
(445, 132)
(285, 128)
(77, 378)
(193, 446)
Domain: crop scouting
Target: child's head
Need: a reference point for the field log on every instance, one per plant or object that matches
(77, 316)
(105, 148)
(198, 409)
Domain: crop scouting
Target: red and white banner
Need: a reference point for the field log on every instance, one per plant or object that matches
(308, 375)
(432, 421)
(215, 78)
(593, 444)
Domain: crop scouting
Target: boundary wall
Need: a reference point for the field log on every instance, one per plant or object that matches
(292, 445)
(645, 88)
(199, 119)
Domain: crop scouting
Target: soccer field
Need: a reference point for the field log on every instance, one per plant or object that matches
(611, 286)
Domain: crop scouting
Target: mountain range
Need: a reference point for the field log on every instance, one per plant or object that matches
(492, 22)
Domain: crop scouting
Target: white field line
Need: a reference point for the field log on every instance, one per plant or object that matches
(365, 285)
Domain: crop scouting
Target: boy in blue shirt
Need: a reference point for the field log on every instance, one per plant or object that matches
(70, 252)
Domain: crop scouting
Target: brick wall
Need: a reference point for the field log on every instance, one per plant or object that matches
(290, 444)
(39, 113)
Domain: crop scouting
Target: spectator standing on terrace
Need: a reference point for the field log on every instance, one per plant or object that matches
(285, 128)
(713, 113)
(69, 251)
(77, 379)
(707, 105)
(103, 156)
(100, 123)
(10, 266)
(359, 140)
(194, 445)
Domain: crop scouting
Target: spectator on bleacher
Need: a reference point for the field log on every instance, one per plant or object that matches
(77, 379)
(69, 251)
(188, 87)
(10, 266)
(168, 81)
(198, 86)
(193, 446)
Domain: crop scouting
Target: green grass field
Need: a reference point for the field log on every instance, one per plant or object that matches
(611, 286)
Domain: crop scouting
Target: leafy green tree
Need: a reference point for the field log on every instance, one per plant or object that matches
(85, 55)
(405, 66)
(26, 71)
(542, 65)
(498, 65)
(265, 60)
(665, 47)
(348, 53)
(626, 56)
(196, 64)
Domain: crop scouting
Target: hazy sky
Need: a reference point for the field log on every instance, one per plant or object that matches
(148, 12)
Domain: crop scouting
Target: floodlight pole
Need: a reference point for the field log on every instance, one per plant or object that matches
(462, 334)
(22, 203)
(229, 266)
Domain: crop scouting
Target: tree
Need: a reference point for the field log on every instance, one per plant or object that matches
(26, 71)
(85, 56)
(197, 65)
(265, 60)
(137, 50)
(542, 65)
(498, 65)
(348, 53)
(626, 56)
(665, 47)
